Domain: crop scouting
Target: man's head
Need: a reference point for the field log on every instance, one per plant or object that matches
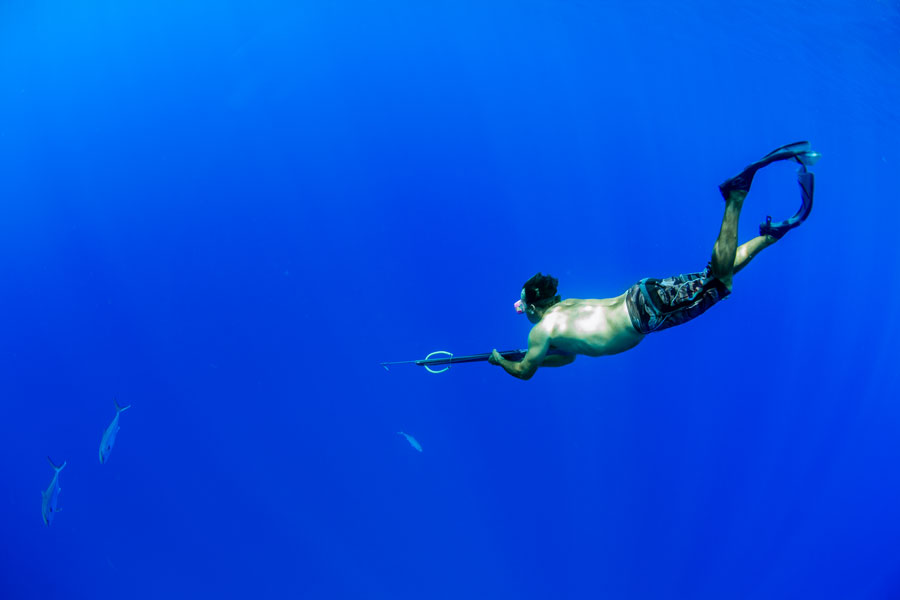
(538, 294)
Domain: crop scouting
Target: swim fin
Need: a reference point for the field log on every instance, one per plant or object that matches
(807, 186)
(741, 182)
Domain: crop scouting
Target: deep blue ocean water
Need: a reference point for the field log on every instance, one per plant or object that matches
(227, 214)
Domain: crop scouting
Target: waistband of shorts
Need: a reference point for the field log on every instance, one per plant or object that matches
(634, 312)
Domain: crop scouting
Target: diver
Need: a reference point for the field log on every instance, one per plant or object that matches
(609, 326)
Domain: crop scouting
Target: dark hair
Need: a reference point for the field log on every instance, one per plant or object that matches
(540, 290)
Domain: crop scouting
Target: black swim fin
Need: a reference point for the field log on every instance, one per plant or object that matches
(742, 181)
(807, 187)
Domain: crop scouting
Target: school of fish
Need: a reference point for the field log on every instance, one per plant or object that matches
(50, 497)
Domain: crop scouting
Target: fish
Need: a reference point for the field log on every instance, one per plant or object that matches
(109, 436)
(51, 496)
(412, 441)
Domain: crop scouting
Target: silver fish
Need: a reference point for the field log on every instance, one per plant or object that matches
(109, 436)
(51, 496)
(412, 441)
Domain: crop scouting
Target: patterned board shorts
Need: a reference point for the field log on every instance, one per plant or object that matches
(657, 304)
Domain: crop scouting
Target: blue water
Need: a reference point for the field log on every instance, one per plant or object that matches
(227, 214)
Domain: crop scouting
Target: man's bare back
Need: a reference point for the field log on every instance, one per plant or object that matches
(574, 326)
(590, 327)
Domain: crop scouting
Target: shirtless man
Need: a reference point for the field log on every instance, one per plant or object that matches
(613, 325)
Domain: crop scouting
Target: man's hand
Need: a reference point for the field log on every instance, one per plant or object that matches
(538, 345)
(495, 357)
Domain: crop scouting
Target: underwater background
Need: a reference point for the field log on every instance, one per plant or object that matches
(227, 214)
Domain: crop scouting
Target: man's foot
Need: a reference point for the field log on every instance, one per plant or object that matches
(807, 185)
(741, 182)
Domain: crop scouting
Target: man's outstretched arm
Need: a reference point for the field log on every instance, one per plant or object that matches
(536, 356)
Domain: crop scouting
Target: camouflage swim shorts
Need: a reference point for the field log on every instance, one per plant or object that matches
(657, 304)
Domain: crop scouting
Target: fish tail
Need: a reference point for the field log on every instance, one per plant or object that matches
(56, 468)
(120, 408)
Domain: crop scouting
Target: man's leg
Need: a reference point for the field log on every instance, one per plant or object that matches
(727, 258)
(725, 249)
(748, 250)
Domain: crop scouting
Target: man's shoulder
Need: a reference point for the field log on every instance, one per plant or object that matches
(542, 329)
(548, 327)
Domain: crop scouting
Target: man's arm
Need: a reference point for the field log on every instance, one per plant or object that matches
(536, 356)
(558, 360)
